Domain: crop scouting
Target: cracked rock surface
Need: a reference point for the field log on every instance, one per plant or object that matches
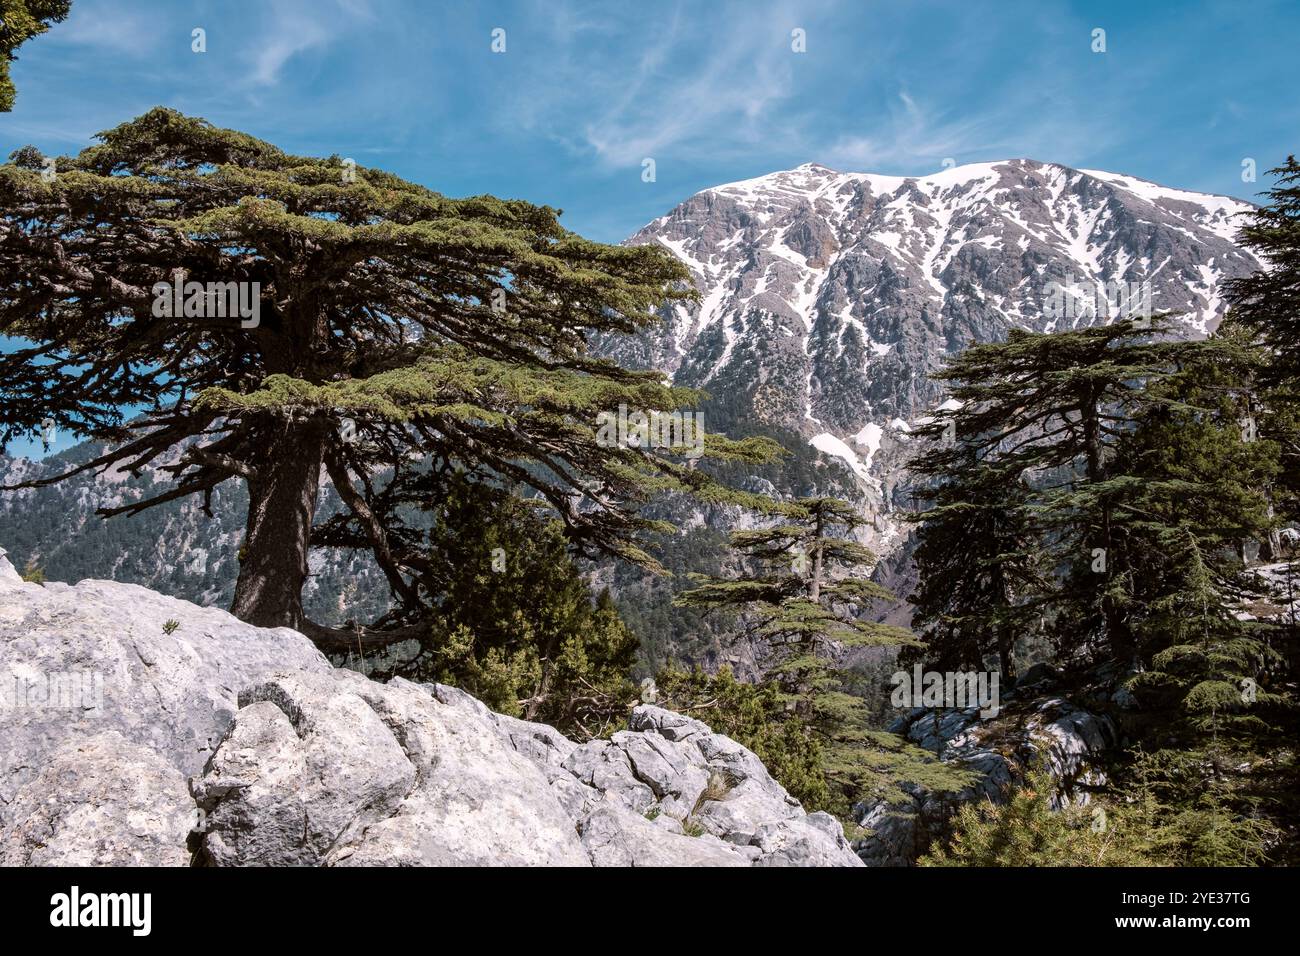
(100, 801)
(80, 660)
(217, 743)
(1049, 733)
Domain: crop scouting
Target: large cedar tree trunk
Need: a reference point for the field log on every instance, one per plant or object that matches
(281, 508)
(1117, 630)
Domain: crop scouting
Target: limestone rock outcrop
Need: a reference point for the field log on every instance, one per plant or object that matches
(1047, 733)
(137, 729)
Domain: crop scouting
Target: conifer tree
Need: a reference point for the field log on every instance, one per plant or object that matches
(979, 569)
(1267, 302)
(1046, 409)
(20, 20)
(1028, 831)
(1196, 491)
(278, 319)
(1267, 305)
(513, 619)
(1182, 487)
(805, 601)
(1169, 814)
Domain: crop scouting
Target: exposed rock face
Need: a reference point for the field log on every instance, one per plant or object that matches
(245, 743)
(828, 296)
(1050, 733)
(100, 801)
(81, 660)
(337, 769)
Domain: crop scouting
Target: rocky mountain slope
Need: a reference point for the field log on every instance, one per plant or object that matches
(141, 729)
(827, 298)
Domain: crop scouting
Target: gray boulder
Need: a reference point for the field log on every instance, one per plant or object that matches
(670, 776)
(1051, 734)
(100, 801)
(85, 659)
(218, 743)
(615, 836)
(307, 767)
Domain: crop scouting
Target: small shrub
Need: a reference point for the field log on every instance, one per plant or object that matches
(1026, 831)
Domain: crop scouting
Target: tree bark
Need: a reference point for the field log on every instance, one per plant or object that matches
(1005, 639)
(1118, 634)
(281, 508)
(1004, 658)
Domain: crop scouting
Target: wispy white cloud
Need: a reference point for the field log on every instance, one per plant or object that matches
(694, 78)
(117, 28)
(297, 27)
(722, 84)
(916, 138)
(711, 90)
(676, 115)
(907, 136)
(1039, 106)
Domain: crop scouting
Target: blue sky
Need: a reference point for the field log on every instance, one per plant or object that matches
(712, 91)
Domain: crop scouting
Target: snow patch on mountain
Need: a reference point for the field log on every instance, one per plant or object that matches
(830, 445)
(828, 299)
(841, 292)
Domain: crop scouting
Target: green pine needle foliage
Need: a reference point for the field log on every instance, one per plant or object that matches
(516, 624)
(807, 598)
(22, 20)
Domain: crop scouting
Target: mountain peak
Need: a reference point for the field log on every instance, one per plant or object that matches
(828, 297)
(817, 174)
(817, 177)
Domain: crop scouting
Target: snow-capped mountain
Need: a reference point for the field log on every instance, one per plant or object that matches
(827, 297)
